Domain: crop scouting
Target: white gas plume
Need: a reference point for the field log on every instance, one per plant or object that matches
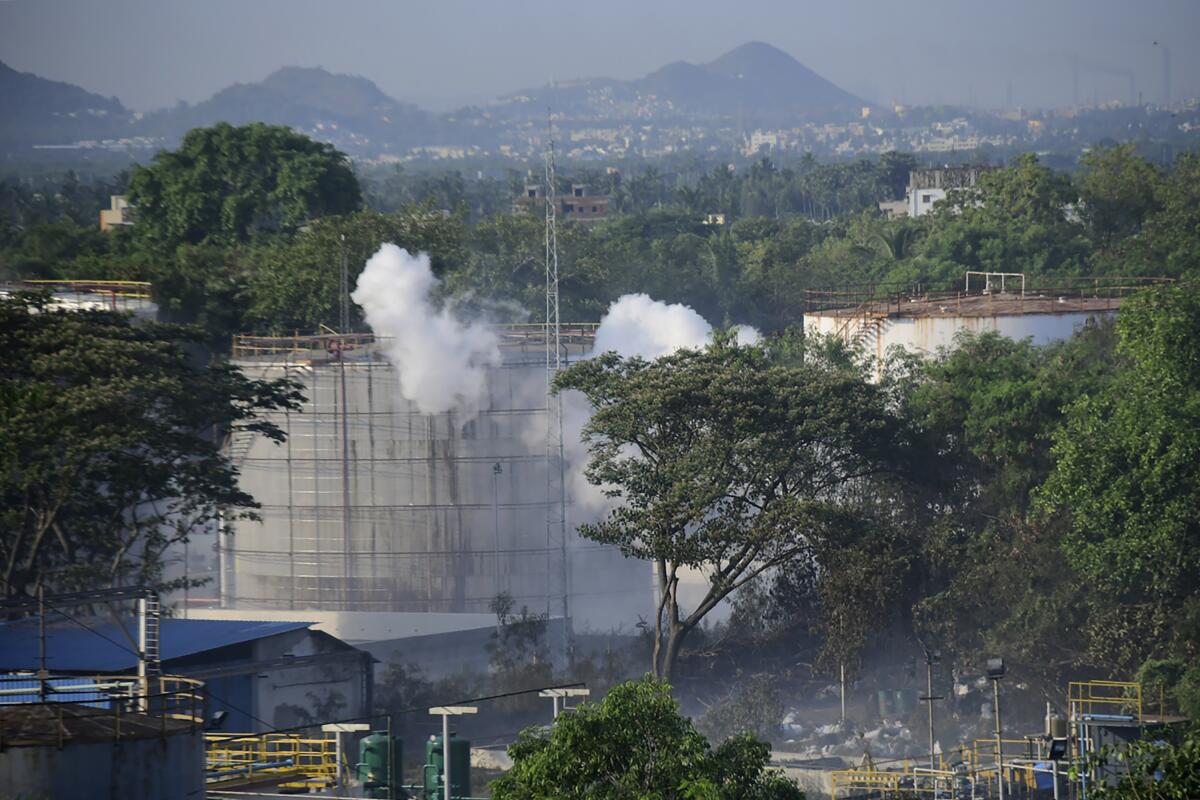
(637, 325)
(442, 360)
(634, 325)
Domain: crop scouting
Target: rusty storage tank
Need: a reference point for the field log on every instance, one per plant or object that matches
(874, 319)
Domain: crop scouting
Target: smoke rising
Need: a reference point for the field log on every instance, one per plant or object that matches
(634, 325)
(442, 360)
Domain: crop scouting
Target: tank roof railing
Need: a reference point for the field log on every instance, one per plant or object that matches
(135, 290)
(307, 345)
(57, 709)
(855, 297)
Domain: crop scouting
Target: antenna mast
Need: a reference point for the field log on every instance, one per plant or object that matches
(556, 506)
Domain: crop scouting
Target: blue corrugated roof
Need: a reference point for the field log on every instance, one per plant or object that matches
(70, 648)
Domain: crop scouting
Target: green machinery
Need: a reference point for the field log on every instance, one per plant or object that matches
(376, 762)
(460, 768)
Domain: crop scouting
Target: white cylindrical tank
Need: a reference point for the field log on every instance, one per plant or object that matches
(372, 505)
(924, 325)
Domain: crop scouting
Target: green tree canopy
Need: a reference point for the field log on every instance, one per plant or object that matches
(109, 449)
(635, 745)
(729, 461)
(226, 183)
(1127, 469)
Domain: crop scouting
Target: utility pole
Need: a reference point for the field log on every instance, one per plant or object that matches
(930, 698)
(842, 667)
(995, 671)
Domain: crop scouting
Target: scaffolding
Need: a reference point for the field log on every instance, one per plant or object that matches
(371, 505)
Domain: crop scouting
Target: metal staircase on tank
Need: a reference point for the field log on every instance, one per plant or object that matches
(238, 443)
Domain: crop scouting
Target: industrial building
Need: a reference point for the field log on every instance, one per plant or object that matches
(261, 674)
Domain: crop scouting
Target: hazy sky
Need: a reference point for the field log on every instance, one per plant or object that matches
(152, 53)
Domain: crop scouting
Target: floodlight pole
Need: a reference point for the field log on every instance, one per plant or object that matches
(930, 698)
(999, 759)
(448, 794)
(559, 698)
(445, 712)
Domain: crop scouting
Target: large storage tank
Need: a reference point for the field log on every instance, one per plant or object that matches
(372, 505)
(875, 320)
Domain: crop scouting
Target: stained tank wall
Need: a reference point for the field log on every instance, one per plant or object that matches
(432, 526)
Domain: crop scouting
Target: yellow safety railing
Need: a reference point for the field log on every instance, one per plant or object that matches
(233, 759)
(900, 780)
(983, 751)
(139, 290)
(1115, 698)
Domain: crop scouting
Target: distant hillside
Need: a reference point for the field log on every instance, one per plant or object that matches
(349, 111)
(754, 81)
(35, 110)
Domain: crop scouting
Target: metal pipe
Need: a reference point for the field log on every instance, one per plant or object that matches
(929, 699)
(449, 791)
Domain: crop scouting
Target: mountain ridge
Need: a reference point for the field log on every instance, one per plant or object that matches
(754, 82)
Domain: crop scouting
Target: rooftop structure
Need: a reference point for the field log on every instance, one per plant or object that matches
(308, 666)
(102, 736)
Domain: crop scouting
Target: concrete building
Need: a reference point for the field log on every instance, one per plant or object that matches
(581, 205)
(117, 214)
(262, 674)
(928, 186)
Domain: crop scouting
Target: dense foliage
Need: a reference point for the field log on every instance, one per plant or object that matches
(256, 242)
(1059, 526)
(227, 183)
(730, 461)
(108, 445)
(635, 744)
